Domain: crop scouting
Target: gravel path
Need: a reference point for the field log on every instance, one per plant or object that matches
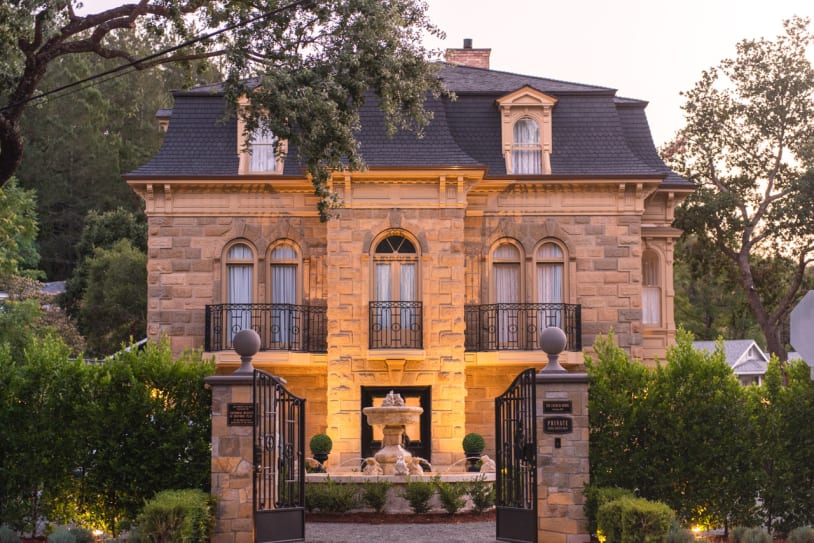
(467, 532)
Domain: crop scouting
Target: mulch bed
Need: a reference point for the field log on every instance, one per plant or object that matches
(401, 518)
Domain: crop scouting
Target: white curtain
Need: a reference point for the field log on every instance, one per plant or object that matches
(407, 288)
(263, 158)
(283, 291)
(507, 291)
(651, 305)
(240, 289)
(527, 156)
(383, 292)
(651, 292)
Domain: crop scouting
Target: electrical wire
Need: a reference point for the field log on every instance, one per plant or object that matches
(133, 66)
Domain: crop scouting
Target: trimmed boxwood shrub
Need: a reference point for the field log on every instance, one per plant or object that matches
(331, 497)
(418, 493)
(596, 496)
(374, 494)
(634, 520)
(177, 516)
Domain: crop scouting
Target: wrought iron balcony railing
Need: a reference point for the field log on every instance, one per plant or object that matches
(395, 325)
(517, 327)
(282, 327)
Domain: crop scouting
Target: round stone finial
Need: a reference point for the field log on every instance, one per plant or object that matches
(246, 342)
(553, 340)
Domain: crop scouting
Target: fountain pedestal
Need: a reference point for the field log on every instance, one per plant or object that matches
(392, 416)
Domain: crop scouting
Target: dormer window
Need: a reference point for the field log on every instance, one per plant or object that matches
(527, 155)
(256, 150)
(261, 148)
(526, 131)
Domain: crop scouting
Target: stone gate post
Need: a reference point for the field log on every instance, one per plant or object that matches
(232, 447)
(562, 448)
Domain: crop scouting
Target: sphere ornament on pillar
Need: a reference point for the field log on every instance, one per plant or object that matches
(246, 343)
(553, 342)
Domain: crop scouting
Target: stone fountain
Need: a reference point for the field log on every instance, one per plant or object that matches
(393, 415)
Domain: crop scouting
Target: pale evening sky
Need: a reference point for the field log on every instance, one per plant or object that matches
(646, 49)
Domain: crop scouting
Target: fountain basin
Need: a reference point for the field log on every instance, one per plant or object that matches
(393, 415)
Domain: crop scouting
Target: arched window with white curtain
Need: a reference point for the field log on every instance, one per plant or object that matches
(527, 153)
(507, 292)
(651, 288)
(396, 280)
(263, 157)
(239, 286)
(284, 263)
(550, 287)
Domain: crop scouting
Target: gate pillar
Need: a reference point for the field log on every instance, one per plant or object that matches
(232, 445)
(562, 453)
(232, 424)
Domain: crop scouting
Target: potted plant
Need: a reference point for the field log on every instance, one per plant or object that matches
(473, 445)
(321, 446)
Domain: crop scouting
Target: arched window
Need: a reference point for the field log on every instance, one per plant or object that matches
(508, 293)
(239, 287)
(651, 288)
(396, 262)
(263, 157)
(396, 311)
(527, 155)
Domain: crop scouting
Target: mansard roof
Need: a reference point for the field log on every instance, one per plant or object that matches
(594, 132)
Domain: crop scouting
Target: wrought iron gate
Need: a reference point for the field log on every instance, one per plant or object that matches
(516, 451)
(279, 462)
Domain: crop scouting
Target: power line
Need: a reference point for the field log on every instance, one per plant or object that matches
(132, 66)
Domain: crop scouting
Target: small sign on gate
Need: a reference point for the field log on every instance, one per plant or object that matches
(240, 414)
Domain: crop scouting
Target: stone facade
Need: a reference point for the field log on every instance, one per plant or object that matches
(455, 223)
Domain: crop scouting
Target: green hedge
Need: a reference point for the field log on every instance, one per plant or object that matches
(177, 516)
(634, 520)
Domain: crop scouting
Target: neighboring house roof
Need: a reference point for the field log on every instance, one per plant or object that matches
(743, 355)
(594, 132)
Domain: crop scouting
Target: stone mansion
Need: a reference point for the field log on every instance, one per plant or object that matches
(528, 203)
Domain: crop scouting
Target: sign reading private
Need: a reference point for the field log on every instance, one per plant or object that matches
(240, 414)
(557, 425)
(557, 406)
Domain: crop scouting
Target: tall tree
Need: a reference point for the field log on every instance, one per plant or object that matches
(18, 231)
(750, 124)
(314, 61)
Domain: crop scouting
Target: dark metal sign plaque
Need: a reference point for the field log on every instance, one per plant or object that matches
(557, 425)
(557, 406)
(240, 414)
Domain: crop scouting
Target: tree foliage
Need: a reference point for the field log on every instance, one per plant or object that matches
(102, 230)
(113, 310)
(306, 66)
(75, 156)
(91, 443)
(686, 433)
(749, 131)
(18, 230)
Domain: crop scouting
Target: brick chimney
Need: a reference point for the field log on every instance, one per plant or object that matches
(474, 58)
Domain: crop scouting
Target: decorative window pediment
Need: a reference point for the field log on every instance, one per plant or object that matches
(526, 131)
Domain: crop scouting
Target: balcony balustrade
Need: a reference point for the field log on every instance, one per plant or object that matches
(282, 327)
(517, 327)
(396, 325)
